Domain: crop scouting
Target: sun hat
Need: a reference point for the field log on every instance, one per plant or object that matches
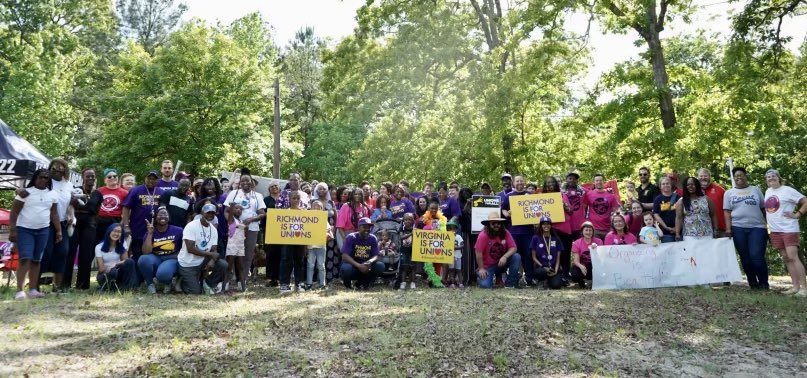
(493, 217)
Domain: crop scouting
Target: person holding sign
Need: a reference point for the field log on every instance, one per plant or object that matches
(360, 257)
(619, 234)
(522, 234)
(253, 210)
(292, 256)
(546, 247)
(600, 205)
(563, 229)
(496, 253)
(581, 251)
(785, 206)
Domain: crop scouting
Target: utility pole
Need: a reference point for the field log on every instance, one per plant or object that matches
(276, 155)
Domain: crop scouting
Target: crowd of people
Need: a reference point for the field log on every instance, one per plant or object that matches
(205, 235)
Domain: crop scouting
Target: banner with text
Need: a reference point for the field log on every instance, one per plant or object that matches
(643, 266)
(433, 246)
(299, 227)
(481, 206)
(529, 209)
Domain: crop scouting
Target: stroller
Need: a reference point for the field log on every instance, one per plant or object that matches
(390, 261)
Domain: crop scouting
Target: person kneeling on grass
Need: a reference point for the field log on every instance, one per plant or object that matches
(496, 253)
(114, 264)
(546, 248)
(161, 246)
(360, 257)
(199, 254)
(581, 251)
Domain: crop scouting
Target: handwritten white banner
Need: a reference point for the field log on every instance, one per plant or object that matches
(643, 266)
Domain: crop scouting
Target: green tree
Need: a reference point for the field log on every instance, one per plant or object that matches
(149, 22)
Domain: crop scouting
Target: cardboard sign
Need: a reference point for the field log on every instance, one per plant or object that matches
(481, 206)
(529, 209)
(433, 246)
(642, 266)
(298, 227)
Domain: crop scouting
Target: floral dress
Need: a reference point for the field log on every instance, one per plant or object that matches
(697, 221)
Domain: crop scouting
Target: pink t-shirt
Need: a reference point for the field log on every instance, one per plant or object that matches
(578, 215)
(613, 239)
(581, 248)
(493, 249)
(634, 222)
(565, 226)
(600, 206)
(344, 219)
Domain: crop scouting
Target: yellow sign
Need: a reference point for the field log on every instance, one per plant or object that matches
(299, 227)
(529, 209)
(433, 246)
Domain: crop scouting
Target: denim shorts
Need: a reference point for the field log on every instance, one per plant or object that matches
(31, 243)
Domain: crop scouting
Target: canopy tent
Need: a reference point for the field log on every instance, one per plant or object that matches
(19, 159)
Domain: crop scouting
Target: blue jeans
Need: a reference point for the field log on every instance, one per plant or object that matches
(667, 238)
(523, 247)
(163, 267)
(513, 263)
(31, 243)
(751, 243)
(55, 255)
(350, 273)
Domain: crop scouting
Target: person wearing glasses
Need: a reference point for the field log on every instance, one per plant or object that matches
(646, 192)
(496, 253)
(111, 208)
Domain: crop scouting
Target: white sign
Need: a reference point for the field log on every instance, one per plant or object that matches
(643, 266)
(481, 207)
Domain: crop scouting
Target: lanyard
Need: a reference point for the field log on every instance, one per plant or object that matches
(548, 251)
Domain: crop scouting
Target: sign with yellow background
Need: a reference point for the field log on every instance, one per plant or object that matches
(433, 246)
(297, 227)
(529, 209)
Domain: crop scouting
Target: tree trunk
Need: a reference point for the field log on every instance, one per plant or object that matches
(660, 78)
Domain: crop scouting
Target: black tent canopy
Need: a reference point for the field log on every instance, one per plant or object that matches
(19, 159)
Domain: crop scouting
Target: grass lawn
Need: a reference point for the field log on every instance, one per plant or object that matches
(665, 332)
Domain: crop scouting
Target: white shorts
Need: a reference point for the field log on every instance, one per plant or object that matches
(457, 260)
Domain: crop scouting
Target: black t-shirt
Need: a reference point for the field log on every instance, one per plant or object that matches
(178, 208)
(664, 206)
(649, 194)
(269, 201)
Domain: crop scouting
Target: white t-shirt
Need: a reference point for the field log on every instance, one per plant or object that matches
(777, 202)
(109, 258)
(251, 202)
(64, 193)
(205, 238)
(35, 214)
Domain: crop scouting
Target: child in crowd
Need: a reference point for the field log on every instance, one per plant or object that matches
(454, 271)
(651, 232)
(316, 255)
(387, 250)
(406, 268)
(235, 247)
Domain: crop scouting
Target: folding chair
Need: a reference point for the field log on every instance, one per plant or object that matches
(9, 261)
(108, 285)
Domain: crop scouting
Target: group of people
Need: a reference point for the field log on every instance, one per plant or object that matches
(206, 235)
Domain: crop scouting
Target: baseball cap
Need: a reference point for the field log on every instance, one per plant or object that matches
(507, 176)
(153, 173)
(365, 221)
(577, 176)
(545, 219)
(208, 208)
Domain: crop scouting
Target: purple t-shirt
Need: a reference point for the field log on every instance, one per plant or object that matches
(163, 186)
(450, 208)
(401, 207)
(526, 229)
(547, 257)
(168, 242)
(143, 204)
(360, 249)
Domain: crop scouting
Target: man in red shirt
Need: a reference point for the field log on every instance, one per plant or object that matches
(112, 204)
(715, 193)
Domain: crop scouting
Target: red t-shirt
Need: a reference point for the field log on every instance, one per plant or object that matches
(493, 248)
(715, 193)
(600, 207)
(112, 204)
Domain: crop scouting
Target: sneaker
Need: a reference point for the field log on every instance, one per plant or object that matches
(34, 293)
(452, 286)
(792, 290)
(219, 288)
(460, 286)
(239, 286)
(301, 288)
(802, 293)
(177, 285)
(227, 286)
(207, 289)
(412, 286)
(152, 289)
(167, 288)
(285, 289)
(20, 295)
(403, 286)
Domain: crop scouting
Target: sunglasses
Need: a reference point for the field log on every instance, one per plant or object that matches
(495, 224)
(643, 174)
(112, 177)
